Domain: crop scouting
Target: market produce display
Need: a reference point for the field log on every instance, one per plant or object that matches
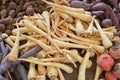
(42, 42)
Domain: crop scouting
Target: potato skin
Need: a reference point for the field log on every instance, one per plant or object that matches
(106, 62)
(110, 76)
(115, 52)
(116, 70)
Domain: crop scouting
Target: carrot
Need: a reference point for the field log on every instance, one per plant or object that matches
(82, 68)
(62, 66)
(106, 62)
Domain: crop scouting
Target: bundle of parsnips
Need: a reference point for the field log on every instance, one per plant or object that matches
(60, 33)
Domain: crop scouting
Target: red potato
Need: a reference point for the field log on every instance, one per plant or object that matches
(115, 52)
(116, 70)
(106, 62)
(110, 76)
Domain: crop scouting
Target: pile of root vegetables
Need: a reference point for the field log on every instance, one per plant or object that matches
(52, 39)
(107, 11)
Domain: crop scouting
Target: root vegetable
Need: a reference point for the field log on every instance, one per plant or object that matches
(52, 73)
(79, 27)
(65, 7)
(99, 70)
(80, 38)
(45, 14)
(42, 54)
(32, 72)
(105, 41)
(62, 66)
(8, 40)
(78, 57)
(105, 61)
(83, 17)
(66, 44)
(13, 55)
(116, 70)
(115, 52)
(60, 74)
(106, 23)
(30, 52)
(82, 68)
(22, 71)
(22, 30)
(66, 17)
(40, 43)
(110, 76)
(29, 24)
(41, 72)
(5, 65)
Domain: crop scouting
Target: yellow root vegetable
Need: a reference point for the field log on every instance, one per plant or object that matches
(42, 72)
(82, 17)
(52, 73)
(105, 41)
(32, 72)
(62, 66)
(13, 55)
(8, 40)
(80, 10)
(60, 74)
(40, 43)
(82, 68)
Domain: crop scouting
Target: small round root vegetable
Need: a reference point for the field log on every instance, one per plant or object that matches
(106, 23)
(110, 76)
(116, 70)
(115, 52)
(106, 62)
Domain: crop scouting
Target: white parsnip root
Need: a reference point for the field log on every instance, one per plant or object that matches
(82, 68)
